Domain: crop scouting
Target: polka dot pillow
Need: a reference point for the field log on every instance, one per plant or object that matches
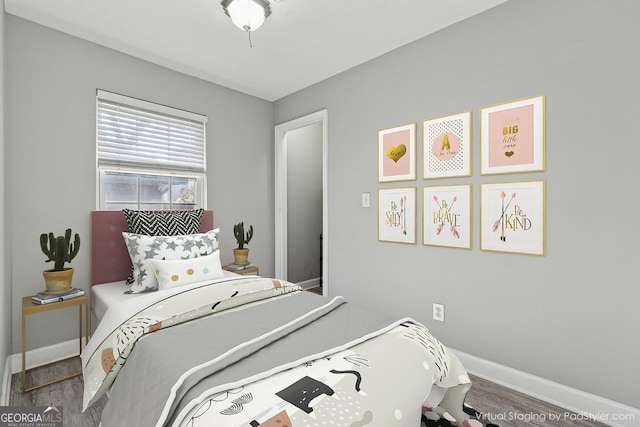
(172, 273)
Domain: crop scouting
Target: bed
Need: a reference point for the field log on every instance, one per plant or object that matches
(110, 262)
(231, 350)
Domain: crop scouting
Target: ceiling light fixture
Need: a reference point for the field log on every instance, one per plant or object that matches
(248, 15)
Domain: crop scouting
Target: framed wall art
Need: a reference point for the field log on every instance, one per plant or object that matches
(397, 215)
(397, 153)
(447, 146)
(512, 217)
(512, 136)
(447, 216)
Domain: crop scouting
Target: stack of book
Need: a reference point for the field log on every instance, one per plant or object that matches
(236, 267)
(44, 298)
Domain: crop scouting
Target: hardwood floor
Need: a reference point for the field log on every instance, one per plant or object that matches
(316, 290)
(501, 406)
(66, 394)
(506, 407)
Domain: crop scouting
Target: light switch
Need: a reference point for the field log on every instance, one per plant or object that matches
(366, 200)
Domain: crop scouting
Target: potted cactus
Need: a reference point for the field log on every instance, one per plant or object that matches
(60, 250)
(241, 254)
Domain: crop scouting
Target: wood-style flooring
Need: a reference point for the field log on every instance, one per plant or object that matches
(66, 394)
(502, 406)
(316, 290)
(506, 408)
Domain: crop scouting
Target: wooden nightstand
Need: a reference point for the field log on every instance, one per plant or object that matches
(249, 271)
(29, 307)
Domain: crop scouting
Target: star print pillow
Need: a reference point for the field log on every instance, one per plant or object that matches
(143, 248)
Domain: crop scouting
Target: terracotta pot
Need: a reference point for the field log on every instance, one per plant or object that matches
(241, 256)
(58, 282)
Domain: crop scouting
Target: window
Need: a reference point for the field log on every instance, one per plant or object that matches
(149, 156)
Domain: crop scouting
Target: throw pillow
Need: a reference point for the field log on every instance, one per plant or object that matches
(162, 223)
(143, 248)
(172, 273)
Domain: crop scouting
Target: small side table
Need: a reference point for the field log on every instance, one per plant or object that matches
(249, 271)
(29, 307)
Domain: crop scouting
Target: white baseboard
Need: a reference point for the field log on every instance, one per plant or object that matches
(311, 283)
(40, 356)
(599, 408)
(6, 384)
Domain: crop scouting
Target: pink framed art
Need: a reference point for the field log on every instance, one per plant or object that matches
(513, 136)
(397, 153)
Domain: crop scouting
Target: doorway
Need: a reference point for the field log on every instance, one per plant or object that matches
(290, 262)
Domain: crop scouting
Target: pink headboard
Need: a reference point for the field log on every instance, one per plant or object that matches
(110, 260)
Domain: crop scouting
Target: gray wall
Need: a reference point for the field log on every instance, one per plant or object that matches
(304, 202)
(571, 316)
(51, 79)
(5, 288)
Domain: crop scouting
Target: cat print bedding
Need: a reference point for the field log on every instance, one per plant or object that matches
(250, 351)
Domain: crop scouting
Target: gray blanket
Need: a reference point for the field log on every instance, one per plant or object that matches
(159, 377)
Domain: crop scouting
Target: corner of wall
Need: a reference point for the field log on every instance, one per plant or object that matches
(5, 290)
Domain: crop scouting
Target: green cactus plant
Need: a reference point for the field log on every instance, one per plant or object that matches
(238, 231)
(59, 249)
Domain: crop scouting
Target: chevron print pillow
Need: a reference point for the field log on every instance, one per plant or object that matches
(162, 223)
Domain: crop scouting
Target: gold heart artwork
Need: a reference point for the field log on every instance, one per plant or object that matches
(396, 153)
(509, 153)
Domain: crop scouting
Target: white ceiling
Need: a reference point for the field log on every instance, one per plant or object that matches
(301, 43)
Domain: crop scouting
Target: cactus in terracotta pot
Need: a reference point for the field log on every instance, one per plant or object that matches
(60, 250)
(241, 254)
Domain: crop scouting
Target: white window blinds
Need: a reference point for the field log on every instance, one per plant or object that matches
(132, 132)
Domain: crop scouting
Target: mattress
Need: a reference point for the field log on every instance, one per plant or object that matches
(108, 295)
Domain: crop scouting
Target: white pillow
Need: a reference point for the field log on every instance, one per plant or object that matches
(143, 248)
(172, 273)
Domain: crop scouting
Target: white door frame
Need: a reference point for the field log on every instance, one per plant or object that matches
(281, 131)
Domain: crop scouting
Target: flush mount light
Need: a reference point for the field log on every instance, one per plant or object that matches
(248, 15)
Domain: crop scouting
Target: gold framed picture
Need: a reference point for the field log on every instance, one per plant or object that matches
(447, 216)
(512, 217)
(512, 136)
(397, 215)
(447, 146)
(397, 153)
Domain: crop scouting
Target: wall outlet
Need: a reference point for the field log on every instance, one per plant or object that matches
(438, 312)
